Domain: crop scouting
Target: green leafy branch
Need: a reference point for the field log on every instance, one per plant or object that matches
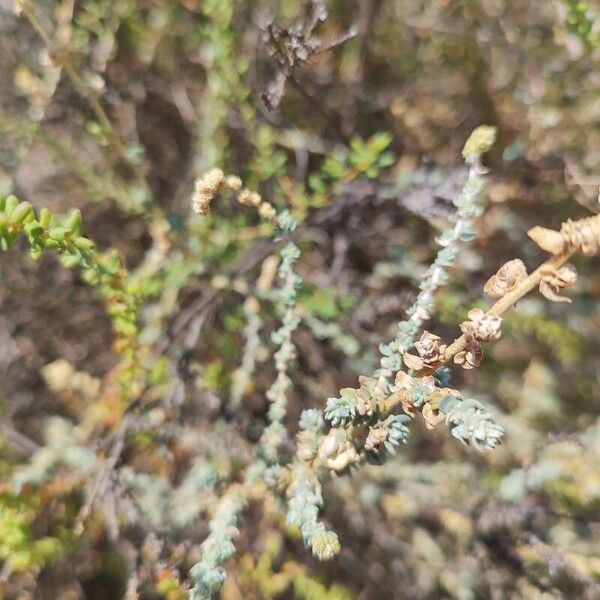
(102, 270)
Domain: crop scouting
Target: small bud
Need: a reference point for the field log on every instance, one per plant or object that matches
(69, 261)
(84, 243)
(480, 141)
(470, 357)
(73, 223)
(45, 218)
(59, 233)
(548, 240)
(325, 545)
(11, 205)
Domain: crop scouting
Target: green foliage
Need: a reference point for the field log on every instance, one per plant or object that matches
(581, 20)
(364, 158)
(369, 157)
(19, 549)
(104, 271)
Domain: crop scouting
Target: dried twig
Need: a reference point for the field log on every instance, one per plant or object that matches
(290, 47)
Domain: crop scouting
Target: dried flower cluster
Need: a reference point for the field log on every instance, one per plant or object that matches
(431, 352)
(215, 181)
(508, 277)
(481, 327)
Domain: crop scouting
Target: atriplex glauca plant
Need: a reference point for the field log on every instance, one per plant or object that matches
(362, 424)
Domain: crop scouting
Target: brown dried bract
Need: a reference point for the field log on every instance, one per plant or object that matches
(376, 438)
(470, 357)
(403, 386)
(554, 281)
(482, 326)
(508, 277)
(581, 236)
(431, 416)
(430, 352)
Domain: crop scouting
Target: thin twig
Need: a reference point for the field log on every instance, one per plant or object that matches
(84, 90)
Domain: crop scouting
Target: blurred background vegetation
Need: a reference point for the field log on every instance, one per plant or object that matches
(114, 107)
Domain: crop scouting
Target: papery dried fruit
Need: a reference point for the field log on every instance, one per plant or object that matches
(482, 326)
(506, 279)
(377, 436)
(337, 451)
(431, 416)
(431, 352)
(582, 235)
(554, 281)
(470, 357)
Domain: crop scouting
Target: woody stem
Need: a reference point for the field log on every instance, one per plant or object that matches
(510, 299)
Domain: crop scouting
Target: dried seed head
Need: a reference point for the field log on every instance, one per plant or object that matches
(267, 211)
(482, 326)
(554, 281)
(508, 277)
(470, 357)
(583, 234)
(233, 183)
(431, 352)
(249, 198)
(205, 189)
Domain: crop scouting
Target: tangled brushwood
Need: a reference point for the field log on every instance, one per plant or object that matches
(283, 327)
